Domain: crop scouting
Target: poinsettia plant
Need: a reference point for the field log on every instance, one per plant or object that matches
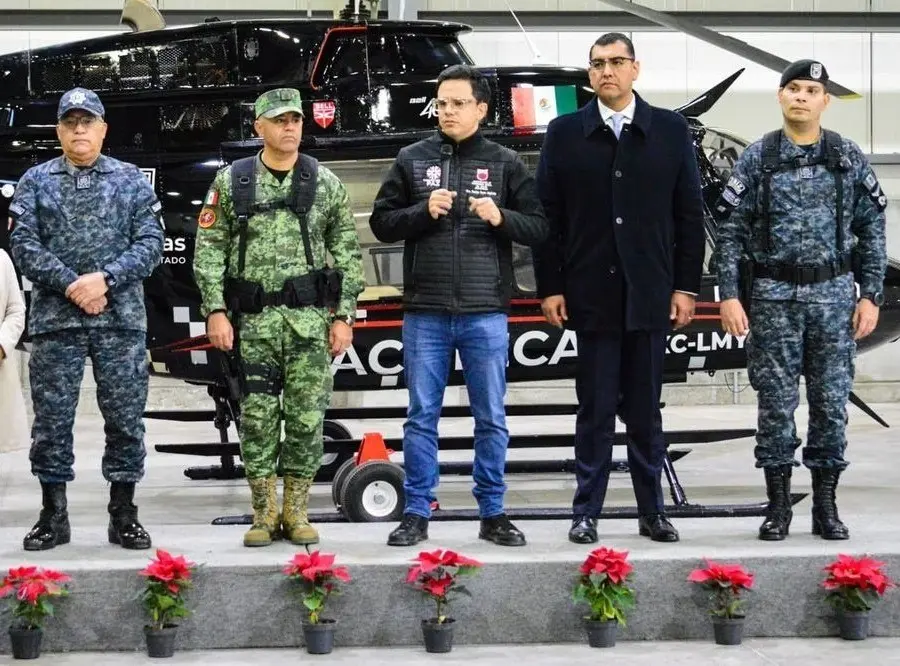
(32, 590)
(603, 582)
(855, 583)
(317, 576)
(436, 574)
(167, 579)
(726, 582)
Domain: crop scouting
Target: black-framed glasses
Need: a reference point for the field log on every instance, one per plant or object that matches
(615, 63)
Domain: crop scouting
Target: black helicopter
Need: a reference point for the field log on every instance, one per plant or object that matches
(179, 106)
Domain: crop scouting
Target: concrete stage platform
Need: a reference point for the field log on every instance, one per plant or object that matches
(522, 595)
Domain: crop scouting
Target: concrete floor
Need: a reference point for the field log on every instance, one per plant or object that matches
(178, 511)
(753, 652)
(711, 473)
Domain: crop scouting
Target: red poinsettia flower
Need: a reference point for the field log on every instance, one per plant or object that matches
(724, 575)
(438, 587)
(863, 573)
(173, 571)
(607, 561)
(316, 565)
(431, 561)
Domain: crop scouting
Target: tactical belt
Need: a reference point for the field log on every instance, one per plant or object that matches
(803, 274)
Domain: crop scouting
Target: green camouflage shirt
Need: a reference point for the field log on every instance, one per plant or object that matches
(275, 250)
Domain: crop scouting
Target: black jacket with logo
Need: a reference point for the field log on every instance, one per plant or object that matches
(458, 263)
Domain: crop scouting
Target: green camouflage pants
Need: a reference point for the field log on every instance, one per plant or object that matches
(305, 369)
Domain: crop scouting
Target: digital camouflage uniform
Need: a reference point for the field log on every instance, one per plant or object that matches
(807, 328)
(294, 340)
(67, 222)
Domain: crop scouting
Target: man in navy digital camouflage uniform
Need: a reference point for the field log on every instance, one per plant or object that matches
(814, 229)
(86, 231)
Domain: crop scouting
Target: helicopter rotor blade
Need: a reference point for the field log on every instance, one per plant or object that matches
(736, 46)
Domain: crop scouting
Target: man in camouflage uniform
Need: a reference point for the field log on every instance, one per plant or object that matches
(86, 231)
(823, 228)
(285, 343)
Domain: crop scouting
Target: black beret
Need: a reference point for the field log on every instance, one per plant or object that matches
(808, 70)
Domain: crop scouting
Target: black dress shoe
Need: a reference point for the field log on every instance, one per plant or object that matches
(501, 531)
(583, 530)
(411, 530)
(657, 527)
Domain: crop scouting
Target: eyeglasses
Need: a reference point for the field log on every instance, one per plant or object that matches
(615, 63)
(71, 122)
(456, 103)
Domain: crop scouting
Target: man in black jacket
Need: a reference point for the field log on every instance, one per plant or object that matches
(458, 201)
(619, 182)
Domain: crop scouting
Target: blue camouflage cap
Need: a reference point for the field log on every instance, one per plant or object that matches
(80, 98)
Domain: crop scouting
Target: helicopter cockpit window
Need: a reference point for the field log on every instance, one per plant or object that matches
(349, 58)
(100, 71)
(134, 69)
(430, 53)
(55, 75)
(198, 125)
(173, 63)
(282, 56)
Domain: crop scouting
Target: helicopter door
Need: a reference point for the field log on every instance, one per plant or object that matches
(340, 82)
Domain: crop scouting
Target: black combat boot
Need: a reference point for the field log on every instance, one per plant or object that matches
(779, 513)
(52, 528)
(825, 520)
(124, 528)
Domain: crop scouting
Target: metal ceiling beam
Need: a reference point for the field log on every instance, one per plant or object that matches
(558, 20)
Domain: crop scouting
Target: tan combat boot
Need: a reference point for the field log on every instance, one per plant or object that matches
(295, 520)
(266, 521)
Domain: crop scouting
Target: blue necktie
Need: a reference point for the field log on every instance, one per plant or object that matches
(618, 119)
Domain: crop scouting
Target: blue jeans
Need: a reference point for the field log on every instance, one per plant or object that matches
(429, 342)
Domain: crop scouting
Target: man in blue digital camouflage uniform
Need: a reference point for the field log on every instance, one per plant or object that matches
(802, 213)
(86, 231)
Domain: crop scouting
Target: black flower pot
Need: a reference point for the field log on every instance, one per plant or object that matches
(601, 633)
(854, 625)
(438, 636)
(728, 630)
(319, 637)
(26, 643)
(161, 642)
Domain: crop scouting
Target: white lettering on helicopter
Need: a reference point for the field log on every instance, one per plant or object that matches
(523, 353)
(680, 343)
(430, 110)
(174, 245)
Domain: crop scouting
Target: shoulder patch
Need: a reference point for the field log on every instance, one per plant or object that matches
(16, 209)
(156, 207)
(873, 189)
(735, 184)
(212, 197)
(207, 218)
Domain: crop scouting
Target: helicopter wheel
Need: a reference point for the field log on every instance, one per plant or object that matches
(340, 477)
(373, 493)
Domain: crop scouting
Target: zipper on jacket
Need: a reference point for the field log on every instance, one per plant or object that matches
(454, 162)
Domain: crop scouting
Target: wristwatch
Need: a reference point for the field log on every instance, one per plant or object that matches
(876, 297)
(108, 278)
(347, 319)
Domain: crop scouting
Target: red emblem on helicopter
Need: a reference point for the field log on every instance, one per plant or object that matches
(323, 113)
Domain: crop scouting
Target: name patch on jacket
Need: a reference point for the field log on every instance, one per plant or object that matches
(481, 185)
